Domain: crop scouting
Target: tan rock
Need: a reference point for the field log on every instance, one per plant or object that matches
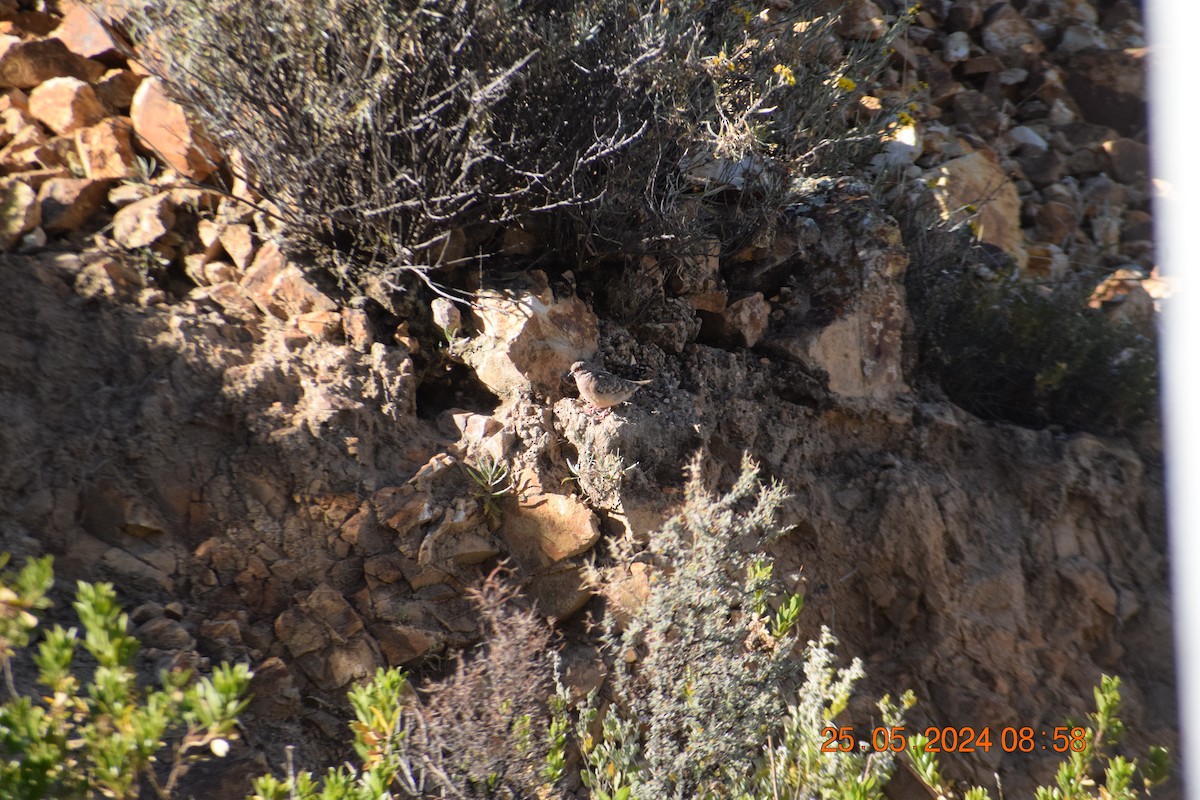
(279, 289)
(83, 34)
(529, 339)
(403, 644)
(144, 222)
(28, 150)
(65, 104)
(13, 120)
(357, 326)
(117, 88)
(25, 64)
(124, 194)
(1007, 32)
(230, 297)
(20, 213)
(319, 325)
(107, 278)
(741, 324)
(975, 187)
(68, 202)
(14, 98)
(36, 178)
(547, 528)
(163, 126)
(238, 241)
(106, 149)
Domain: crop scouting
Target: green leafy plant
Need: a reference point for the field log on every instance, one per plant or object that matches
(492, 482)
(1087, 773)
(103, 736)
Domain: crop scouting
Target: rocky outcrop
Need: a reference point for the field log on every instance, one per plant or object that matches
(302, 483)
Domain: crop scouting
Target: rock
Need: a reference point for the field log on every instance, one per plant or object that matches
(446, 316)
(1048, 262)
(1083, 37)
(124, 194)
(1129, 158)
(83, 34)
(548, 527)
(28, 150)
(1056, 222)
(976, 181)
(1025, 136)
(144, 222)
(1008, 33)
(1109, 88)
(741, 324)
(861, 19)
(65, 104)
(402, 645)
(163, 126)
(25, 64)
(13, 120)
(106, 150)
(164, 634)
(238, 241)
(543, 532)
(957, 47)
(529, 338)
(278, 287)
(117, 88)
(68, 202)
(20, 213)
(107, 278)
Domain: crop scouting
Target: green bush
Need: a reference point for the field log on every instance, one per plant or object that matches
(702, 704)
(1006, 348)
(1079, 775)
(100, 737)
(395, 136)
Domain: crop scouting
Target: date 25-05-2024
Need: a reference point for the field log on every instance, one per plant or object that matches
(1009, 739)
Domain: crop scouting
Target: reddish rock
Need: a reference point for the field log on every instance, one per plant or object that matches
(19, 213)
(65, 104)
(143, 222)
(1056, 223)
(106, 149)
(975, 184)
(238, 241)
(68, 202)
(117, 88)
(741, 324)
(25, 64)
(279, 288)
(83, 34)
(162, 125)
(14, 98)
(28, 150)
(13, 121)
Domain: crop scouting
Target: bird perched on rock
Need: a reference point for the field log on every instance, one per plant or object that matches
(602, 389)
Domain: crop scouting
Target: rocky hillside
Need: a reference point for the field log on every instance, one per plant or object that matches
(276, 473)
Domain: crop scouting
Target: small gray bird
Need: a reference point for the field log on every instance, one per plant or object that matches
(602, 389)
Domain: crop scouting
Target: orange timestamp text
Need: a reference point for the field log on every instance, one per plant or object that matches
(1009, 739)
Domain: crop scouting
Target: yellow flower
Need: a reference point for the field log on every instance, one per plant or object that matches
(846, 84)
(785, 72)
